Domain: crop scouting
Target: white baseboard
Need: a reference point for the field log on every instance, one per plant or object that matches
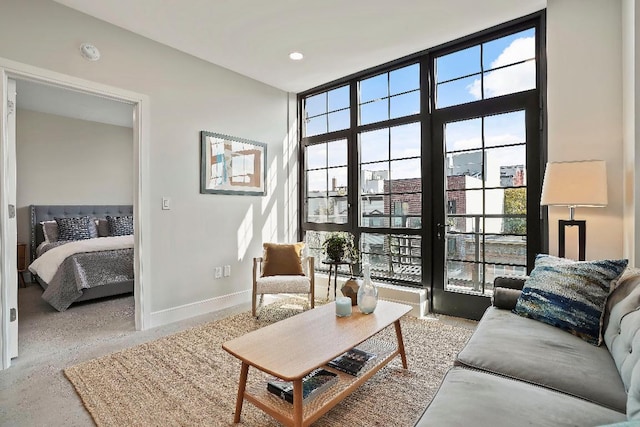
(175, 314)
(417, 298)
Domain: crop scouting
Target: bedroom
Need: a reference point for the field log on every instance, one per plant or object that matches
(71, 149)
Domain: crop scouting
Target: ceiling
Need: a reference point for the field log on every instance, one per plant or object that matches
(255, 37)
(337, 37)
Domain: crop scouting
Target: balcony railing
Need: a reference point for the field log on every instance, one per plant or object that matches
(476, 254)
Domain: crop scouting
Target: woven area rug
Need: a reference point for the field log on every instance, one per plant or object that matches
(187, 379)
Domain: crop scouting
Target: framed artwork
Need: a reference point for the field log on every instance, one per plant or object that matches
(231, 165)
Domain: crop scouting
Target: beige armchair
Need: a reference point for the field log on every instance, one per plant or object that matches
(282, 283)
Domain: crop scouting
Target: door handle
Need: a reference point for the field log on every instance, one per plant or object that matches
(12, 211)
(440, 230)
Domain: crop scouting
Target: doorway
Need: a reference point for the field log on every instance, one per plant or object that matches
(8, 270)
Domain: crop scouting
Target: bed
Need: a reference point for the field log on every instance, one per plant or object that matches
(72, 270)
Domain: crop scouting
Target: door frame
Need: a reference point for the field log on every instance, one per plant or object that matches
(141, 180)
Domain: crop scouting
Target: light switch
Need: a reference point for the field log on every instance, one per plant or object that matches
(166, 203)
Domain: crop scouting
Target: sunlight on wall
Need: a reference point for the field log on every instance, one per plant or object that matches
(245, 233)
(290, 166)
(272, 184)
(270, 227)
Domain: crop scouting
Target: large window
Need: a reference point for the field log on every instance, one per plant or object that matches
(429, 160)
(327, 112)
(486, 189)
(326, 179)
(390, 172)
(487, 70)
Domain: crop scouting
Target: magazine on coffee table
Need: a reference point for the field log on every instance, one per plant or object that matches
(352, 361)
(313, 384)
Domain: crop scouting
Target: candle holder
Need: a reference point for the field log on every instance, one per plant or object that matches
(343, 306)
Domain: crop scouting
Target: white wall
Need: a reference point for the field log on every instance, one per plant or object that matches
(584, 52)
(631, 127)
(187, 95)
(68, 161)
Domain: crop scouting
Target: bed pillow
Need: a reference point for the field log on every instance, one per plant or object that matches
(76, 228)
(50, 231)
(120, 225)
(103, 227)
(281, 259)
(570, 295)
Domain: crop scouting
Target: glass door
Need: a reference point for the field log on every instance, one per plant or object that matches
(484, 220)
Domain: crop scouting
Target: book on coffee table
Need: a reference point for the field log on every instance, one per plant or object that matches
(313, 384)
(352, 361)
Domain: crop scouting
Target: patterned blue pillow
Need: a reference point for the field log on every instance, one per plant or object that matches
(120, 225)
(76, 228)
(569, 294)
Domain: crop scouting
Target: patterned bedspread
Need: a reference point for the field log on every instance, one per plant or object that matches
(84, 270)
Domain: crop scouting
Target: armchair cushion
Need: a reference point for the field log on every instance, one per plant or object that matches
(282, 259)
(283, 284)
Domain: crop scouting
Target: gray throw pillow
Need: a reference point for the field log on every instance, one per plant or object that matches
(120, 225)
(76, 228)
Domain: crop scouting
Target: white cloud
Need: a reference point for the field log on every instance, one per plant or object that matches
(511, 79)
(464, 143)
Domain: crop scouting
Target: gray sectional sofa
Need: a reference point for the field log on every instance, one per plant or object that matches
(516, 371)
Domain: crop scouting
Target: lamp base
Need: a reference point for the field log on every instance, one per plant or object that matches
(582, 236)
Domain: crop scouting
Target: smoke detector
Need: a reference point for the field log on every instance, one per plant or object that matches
(89, 52)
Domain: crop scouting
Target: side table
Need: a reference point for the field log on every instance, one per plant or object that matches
(22, 263)
(333, 268)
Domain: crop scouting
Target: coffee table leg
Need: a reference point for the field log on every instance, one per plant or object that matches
(403, 356)
(241, 387)
(297, 403)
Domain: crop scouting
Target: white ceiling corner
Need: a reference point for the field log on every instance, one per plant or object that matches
(337, 37)
(255, 37)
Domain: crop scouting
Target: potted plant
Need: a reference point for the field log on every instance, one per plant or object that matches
(339, 245)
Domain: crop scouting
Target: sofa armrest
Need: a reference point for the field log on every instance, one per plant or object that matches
(509, 282)
(505, 298)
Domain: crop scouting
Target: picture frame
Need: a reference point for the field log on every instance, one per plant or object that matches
(230, 165)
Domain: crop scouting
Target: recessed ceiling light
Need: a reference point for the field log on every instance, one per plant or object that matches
(296, 56)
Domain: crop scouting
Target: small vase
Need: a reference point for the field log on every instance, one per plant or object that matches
(368, 293)
(350, 289)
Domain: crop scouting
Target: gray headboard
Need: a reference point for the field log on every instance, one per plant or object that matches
(39, 213)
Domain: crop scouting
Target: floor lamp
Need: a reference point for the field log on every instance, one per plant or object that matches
(574, 184)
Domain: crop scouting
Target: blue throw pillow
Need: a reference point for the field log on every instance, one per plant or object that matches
(569, 294)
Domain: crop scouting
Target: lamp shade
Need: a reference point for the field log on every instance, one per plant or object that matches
(581, 183)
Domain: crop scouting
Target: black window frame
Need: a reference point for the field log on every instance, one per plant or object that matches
(537, 217)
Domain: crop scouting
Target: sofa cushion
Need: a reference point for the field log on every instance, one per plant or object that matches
(624, 287)
(570, 295)
(514, 346)
(621, 335)
(473, 398)
(505, 298)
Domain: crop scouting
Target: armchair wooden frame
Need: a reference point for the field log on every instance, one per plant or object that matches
(257, 270)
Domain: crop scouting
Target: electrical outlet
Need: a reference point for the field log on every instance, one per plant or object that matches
(218, 272)
(227, 270)
(166, 203)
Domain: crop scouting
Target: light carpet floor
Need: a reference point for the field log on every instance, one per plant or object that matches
(187, 379)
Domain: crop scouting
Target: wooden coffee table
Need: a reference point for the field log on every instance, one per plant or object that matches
(293, 347)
